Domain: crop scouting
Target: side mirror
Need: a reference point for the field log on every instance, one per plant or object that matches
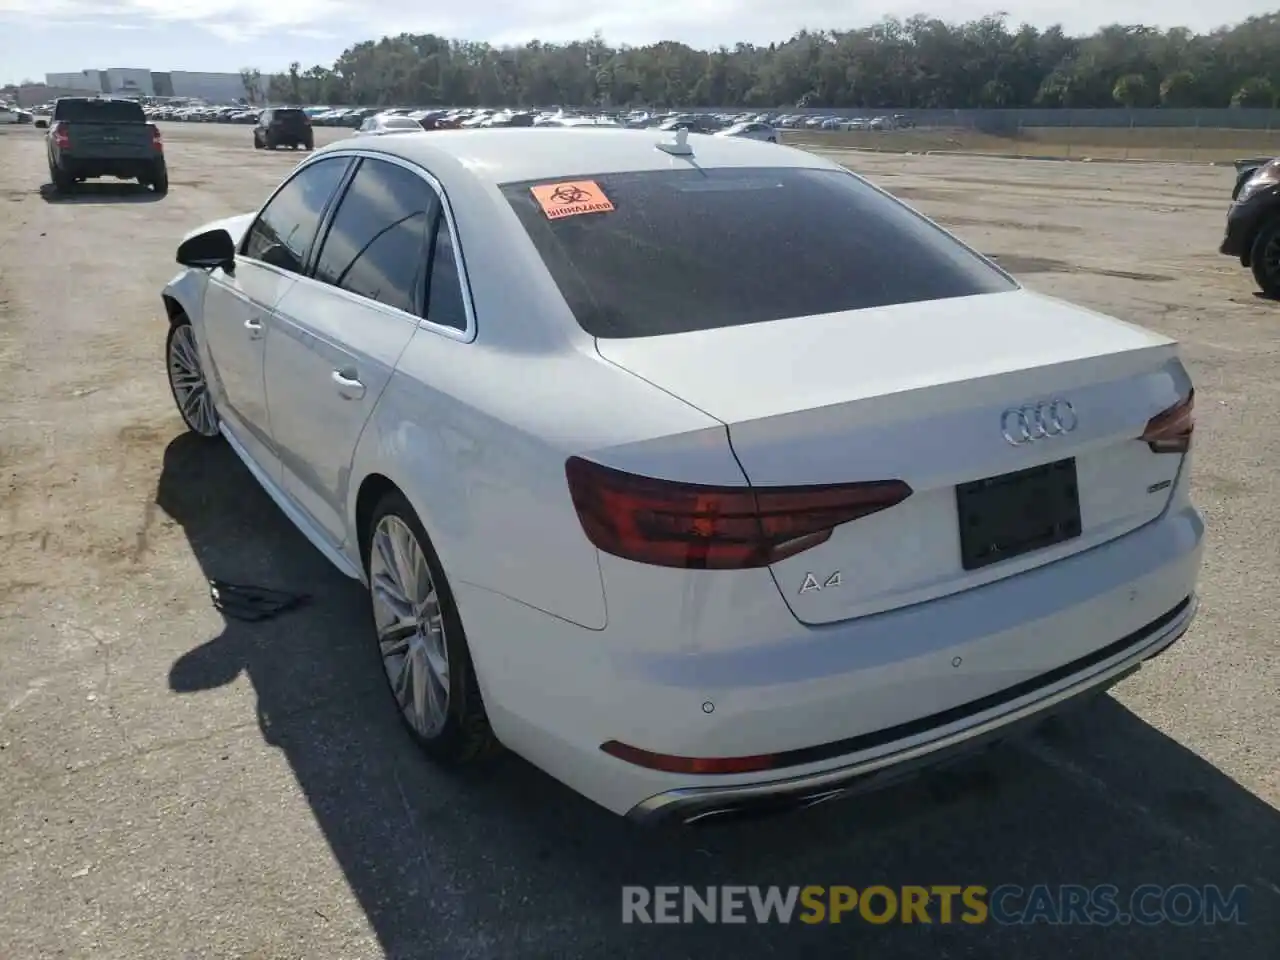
(42, 123)
(208, 250)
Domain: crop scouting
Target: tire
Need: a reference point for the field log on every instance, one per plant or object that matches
(257, 144)
(460, 732)
(182, 337)
(63, 182)
(1264, 259)
(309, 143)
(160, 179)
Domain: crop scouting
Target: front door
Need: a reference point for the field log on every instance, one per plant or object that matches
(238, 305)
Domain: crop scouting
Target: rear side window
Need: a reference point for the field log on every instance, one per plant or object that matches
(377, 245)
(284, 230)
(445, 304)
(98, 111)
(686, 250)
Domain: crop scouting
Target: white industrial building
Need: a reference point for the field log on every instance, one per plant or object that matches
(213, 87)
(87, 80)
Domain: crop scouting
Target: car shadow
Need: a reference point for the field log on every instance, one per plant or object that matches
(502, 861)
(117, 192)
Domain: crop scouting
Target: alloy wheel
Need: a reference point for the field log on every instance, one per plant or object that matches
(186, 378)
(410, 627)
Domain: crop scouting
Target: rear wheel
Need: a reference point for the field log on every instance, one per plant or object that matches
(63, 182)
(420, 638)
(187, 380)
(1265, 258)
(257, 142)
(159, 179)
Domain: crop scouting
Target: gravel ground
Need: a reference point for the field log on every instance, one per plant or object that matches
(176, 785)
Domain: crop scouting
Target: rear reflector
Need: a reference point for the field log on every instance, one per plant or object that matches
(1170, 431)
(694, 526)
(704, 765)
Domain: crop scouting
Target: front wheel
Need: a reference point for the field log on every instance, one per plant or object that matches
(187, 381)
(1265, 258)
(420, 638)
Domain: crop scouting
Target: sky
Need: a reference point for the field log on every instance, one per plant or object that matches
(40, 36)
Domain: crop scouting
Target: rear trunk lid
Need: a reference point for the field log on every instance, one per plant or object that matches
(922, 393)
(110, 141)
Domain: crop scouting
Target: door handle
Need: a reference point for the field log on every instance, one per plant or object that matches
(254, 326)
(349, 388)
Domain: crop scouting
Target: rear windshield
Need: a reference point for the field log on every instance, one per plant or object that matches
(99, 111)
(658, 252)
(283, 114)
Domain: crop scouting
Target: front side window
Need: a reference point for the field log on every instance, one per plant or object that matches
(377, 245)
(668, 251)
(285, 229)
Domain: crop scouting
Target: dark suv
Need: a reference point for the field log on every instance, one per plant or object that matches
(1253, 222)
(284, 126)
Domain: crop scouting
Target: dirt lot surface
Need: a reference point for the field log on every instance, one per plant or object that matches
(1181, 144)
(174, 785)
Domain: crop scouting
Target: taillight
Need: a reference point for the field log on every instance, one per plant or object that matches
(1170, 431)
(671, 524)
(157, 140)
(60, 135)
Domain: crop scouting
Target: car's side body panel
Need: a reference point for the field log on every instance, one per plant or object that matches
(484, 466)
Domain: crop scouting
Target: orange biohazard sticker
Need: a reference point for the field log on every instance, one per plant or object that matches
(560, 200)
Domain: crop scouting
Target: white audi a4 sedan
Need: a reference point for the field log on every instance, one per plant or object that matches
(696, 516)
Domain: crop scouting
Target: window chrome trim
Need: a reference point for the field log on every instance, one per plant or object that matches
(459, 257)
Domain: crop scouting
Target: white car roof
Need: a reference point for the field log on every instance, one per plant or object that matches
(498, 156)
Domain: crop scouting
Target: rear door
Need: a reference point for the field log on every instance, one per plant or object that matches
(338, 335)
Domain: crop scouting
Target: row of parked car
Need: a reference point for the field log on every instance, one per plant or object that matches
(435, 118)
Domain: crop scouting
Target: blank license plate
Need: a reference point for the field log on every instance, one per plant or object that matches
(1015, 513)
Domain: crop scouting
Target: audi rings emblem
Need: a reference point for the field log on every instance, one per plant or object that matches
(1038, 421)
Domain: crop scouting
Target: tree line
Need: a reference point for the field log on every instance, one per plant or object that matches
(921, 62)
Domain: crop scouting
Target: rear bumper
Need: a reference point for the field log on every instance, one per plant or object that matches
(128, 167)
(1093, 674)
(840, 708)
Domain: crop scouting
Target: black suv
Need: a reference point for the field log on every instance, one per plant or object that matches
(1253, 222)
(284, 126)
